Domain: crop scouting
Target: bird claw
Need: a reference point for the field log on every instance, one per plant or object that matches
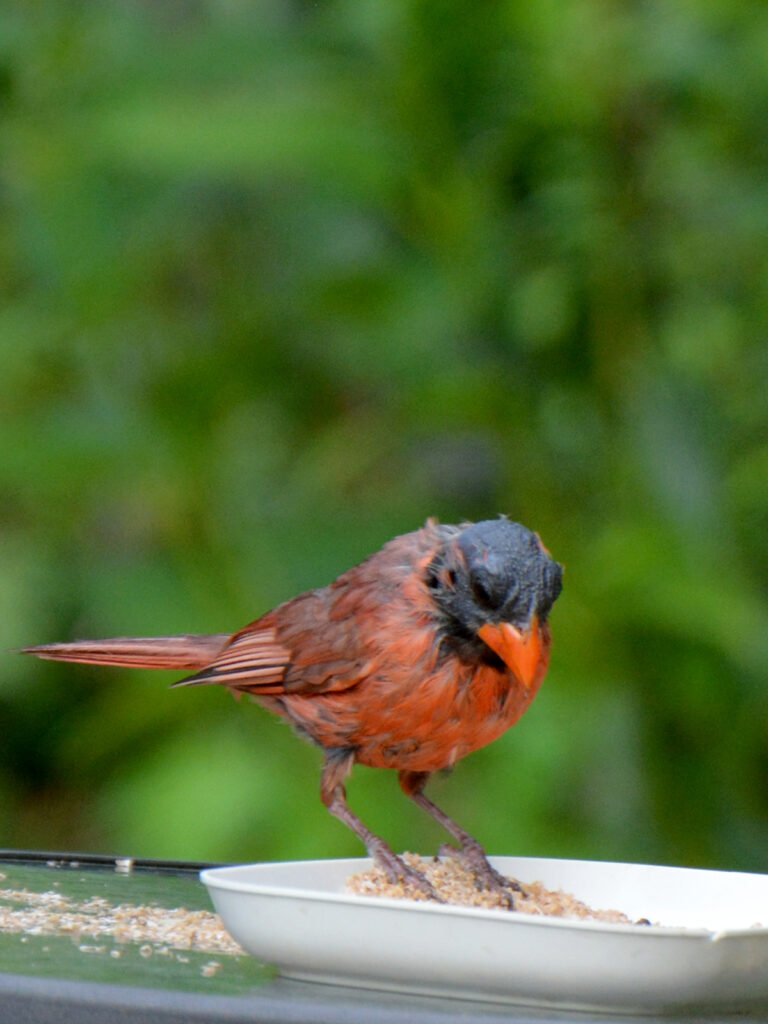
(486, 875)
(415, 879)
(398, 872)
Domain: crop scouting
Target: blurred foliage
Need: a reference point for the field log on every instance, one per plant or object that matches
(280, 279)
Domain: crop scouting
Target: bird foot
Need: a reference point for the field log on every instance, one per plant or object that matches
(398, 872)
(486, 875)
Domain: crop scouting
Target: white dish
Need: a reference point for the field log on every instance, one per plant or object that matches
(705, 953)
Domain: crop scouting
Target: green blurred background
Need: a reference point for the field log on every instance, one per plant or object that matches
(281, 279)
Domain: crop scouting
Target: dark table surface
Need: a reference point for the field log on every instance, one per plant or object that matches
(58, 978)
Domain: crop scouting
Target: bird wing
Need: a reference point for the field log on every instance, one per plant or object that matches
(253, 660)
(297, 648)
(329, 639)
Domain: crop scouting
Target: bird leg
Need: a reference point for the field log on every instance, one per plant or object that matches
(338, 764)
(412, 784)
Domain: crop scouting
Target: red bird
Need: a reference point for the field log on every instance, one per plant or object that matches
(428, 650)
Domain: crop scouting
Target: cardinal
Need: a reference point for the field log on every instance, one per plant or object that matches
(429, 649)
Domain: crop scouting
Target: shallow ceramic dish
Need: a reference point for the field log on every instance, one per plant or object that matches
(705, 950)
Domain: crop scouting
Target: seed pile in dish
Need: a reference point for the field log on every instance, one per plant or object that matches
(453, 880)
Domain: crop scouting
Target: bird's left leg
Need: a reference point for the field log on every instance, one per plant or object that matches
(412, 784)
(338, 764)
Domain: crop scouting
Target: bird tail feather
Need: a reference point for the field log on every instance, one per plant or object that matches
(166, 652)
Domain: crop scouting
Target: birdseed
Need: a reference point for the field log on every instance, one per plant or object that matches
(156, 930)
(455, 883)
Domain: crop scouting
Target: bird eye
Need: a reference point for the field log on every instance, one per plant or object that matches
(438, 577)
(491, 591)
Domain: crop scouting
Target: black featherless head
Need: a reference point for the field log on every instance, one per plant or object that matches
(494, 571)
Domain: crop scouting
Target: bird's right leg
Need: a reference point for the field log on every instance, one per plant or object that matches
(412, 784)
(338, 764)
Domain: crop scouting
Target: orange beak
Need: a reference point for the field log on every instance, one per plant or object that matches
(519, 651)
